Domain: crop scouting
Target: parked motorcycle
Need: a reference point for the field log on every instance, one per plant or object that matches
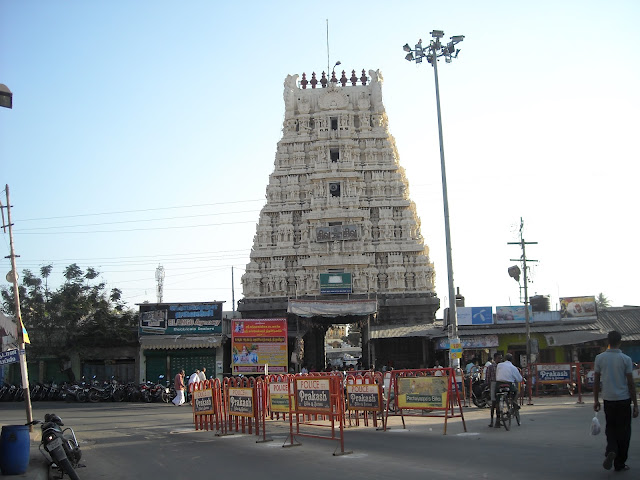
(110, 391)
(480, 391)
(61, 445)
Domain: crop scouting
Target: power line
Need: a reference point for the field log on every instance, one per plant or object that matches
(139, 210)
(138, 220)
(23, 232)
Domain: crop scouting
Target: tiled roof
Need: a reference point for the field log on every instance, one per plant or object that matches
(626, 320)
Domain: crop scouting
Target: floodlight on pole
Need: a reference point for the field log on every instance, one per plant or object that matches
(6, 97)
(432, 52)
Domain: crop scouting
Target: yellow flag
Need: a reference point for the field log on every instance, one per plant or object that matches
(25, 335)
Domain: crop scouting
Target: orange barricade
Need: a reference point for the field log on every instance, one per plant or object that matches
(206, 404)
(364, 396)
(239, 405)
(427, 390)
(318, 396)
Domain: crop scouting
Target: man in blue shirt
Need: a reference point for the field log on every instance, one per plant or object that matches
(613, 369)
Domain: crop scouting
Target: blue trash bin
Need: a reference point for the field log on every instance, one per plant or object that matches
(14, 449)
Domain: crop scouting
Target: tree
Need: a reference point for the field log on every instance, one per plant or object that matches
(602, 301)
(80, 313)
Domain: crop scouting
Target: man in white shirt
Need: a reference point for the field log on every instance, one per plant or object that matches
(194, 378)
(507, 372)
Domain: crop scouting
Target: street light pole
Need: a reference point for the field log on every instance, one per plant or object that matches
(435, 50)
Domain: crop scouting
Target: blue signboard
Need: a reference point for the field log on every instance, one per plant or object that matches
(475, 315)
(180, 318)
(553, 373)
(10, 356)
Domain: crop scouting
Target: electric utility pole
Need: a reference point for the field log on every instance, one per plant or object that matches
(22, 354)
(524, 261)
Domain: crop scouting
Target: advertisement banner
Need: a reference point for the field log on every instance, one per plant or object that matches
(279, 397)
(578, 307)
(364, 397)
(203, 402)
(475, 315)
(422, 392)
(512, 314)
(553, 373)
(180, 318)
(241, 402)
(480, 341)
(313, 394)
(259, 342)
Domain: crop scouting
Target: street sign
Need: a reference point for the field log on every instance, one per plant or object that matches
(10, 356)
(455, 348)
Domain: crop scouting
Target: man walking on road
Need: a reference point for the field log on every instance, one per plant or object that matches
(178, 384)
(613, 369)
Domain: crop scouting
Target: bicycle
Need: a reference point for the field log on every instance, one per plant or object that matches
(507, 405)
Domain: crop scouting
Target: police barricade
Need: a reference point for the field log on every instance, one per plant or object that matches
(240, 407)
(583, 374)
(279, 400)
(364, 396)
(432, 391)
(556, 374)
(317, 398)
(207, 405)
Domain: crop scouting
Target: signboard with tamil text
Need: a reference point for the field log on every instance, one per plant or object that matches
(422, 392)
(279, 397)
(259, 342)
(10, 356)
(335, 283)
(180, 318)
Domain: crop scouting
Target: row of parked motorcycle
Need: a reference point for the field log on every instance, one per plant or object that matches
(92, 391)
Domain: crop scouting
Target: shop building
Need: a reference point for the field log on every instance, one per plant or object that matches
(175, 336)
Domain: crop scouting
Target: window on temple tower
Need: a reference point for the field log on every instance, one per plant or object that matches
(334, 123)
(334, 153)
(334, 189)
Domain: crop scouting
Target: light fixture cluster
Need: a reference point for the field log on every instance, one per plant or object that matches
(435, 49)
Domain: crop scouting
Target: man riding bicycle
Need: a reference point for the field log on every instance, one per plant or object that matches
(506, 372)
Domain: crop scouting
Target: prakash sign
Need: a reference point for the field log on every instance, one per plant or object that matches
(203, 402)
(241, 402)
(554, 373)
(364, 397)
(422, 392)
(313, 394)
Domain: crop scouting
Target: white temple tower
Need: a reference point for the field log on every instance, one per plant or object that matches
(338, 203)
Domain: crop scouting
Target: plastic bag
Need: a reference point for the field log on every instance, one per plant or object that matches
(595, 425)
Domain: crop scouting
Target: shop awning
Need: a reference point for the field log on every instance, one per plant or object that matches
(332, 308)
(559, 339)
(175, 342)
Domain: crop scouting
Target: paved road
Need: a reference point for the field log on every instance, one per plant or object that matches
(131, 441)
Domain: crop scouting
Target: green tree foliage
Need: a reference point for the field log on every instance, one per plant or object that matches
(602, 301)
(80, 313)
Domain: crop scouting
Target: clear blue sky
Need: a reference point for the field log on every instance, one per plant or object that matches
(144, 133)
